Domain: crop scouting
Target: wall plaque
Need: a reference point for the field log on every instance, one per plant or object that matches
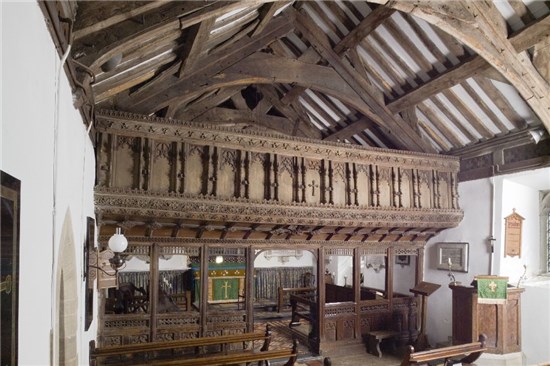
(512, 237)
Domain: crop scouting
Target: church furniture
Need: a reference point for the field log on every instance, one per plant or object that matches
(375, 337)
(463, 354)
(500, 322)
(127, 352)
(424, 289)
(261, 357)
(282, 292)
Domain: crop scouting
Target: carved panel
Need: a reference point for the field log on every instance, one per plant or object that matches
(257, 177)
(163, 163)
(407, 188)
(195, 175)
(425, 191)
(312, 181)
(228, 182)
(385, 186)
(126, 163)
(363, 185)
(287, 173)
(339, 183)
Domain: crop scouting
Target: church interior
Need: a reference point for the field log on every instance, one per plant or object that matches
(307, 182)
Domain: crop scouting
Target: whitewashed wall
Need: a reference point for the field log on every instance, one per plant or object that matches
(307, 260)
(519, 191)
(29, 68)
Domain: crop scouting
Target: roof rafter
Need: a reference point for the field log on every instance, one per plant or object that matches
(473, 24)
(381, 114)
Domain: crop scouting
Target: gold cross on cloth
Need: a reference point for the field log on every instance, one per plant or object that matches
(226, 286)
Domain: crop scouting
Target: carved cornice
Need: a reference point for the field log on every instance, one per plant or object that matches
(129, 124)
(134, 203)
(273, 243)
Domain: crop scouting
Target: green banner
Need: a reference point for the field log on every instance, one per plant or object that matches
(491, 289)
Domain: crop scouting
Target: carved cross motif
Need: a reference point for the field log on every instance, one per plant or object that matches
(226, 286)
(313, 186)
(493, 286)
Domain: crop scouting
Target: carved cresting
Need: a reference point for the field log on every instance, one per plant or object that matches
(153, 166)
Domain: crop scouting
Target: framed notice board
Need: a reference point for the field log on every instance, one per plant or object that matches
(512, 236)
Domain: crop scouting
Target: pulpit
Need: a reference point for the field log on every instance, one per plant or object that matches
(500, 322)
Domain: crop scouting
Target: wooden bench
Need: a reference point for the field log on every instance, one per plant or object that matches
(374, 338)
(262, 357)
(283, 291)
(468, 353)
(99, 356)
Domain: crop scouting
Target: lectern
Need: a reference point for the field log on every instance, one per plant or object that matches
(423, 289)
(500, 322)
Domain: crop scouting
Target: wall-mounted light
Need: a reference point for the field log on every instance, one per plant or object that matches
(118, 244)
(219, 259)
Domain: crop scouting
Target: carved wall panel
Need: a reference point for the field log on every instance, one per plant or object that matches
(195, 169)
(312, 180)
(256, 176)
(363, 185)
(286, 185)
(337, 175)
(385, 186)
(425, 188)
(126, 161)
(163, 163)
(406, 188)
(229, 169)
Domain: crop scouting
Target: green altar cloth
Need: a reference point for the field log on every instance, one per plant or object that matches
(491, 289)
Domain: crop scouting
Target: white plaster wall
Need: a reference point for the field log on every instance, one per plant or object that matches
(307, 260)
(510, 191)
(535, 326)
(29, 68)
(525, 200)
(475, 228)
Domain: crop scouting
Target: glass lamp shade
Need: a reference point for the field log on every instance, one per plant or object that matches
(118, 242)
(219, 259)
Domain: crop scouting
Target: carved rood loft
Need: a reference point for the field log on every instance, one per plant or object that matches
(174, 179)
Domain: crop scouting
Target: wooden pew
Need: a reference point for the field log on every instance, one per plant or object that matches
(468, 353)
(262, 357)
(282, 291)
(148, 350)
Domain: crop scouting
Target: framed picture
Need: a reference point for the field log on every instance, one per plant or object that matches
(10, 206)
(452, 256)
(89, 244)
(403, 260)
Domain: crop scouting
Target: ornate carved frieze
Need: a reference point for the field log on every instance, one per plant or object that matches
(127, 202)
(191, 247)
(128, 124)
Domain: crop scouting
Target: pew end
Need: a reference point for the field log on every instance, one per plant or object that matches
(464, 354)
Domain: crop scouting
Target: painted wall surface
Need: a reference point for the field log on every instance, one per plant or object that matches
(519, 191)
(307, 260)
(535, 326)
(475, 228)
(525, 200)
(29, 73)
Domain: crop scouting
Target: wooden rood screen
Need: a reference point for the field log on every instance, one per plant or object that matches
(143, 158)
